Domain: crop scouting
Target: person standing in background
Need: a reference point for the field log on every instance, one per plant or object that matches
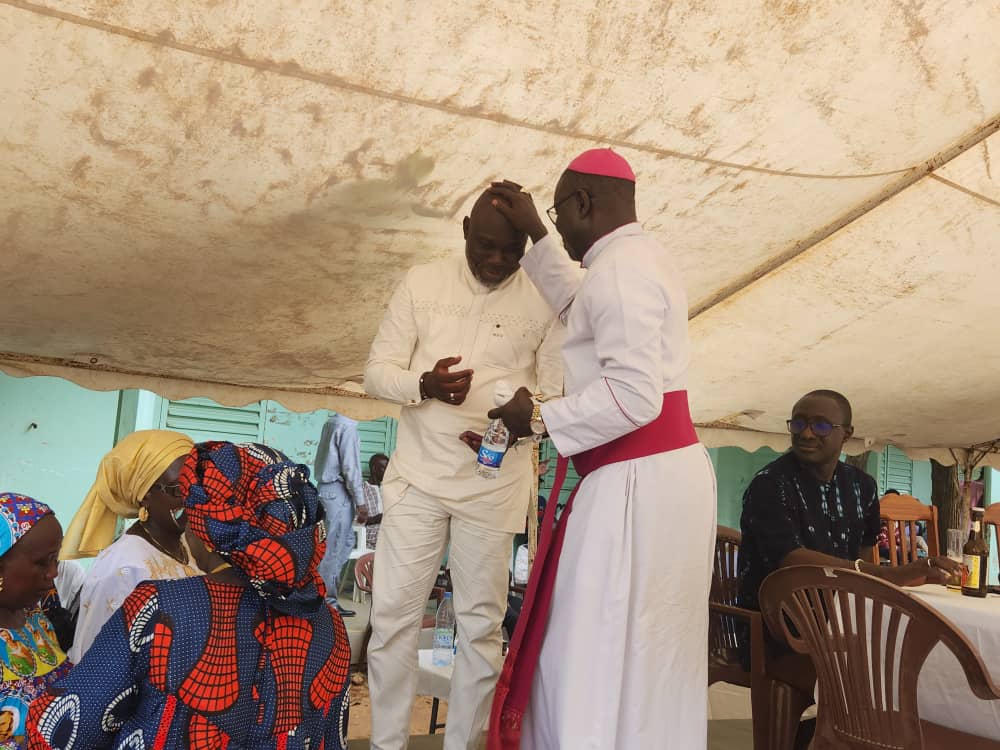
(377, 465)
(338, 476)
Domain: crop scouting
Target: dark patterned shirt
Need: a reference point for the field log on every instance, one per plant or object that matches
(785, 508)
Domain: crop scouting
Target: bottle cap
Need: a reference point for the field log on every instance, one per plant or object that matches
(447, 595)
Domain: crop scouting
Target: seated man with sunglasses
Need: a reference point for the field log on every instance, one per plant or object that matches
(810, 508)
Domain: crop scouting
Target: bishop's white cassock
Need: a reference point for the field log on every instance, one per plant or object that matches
(624, 661)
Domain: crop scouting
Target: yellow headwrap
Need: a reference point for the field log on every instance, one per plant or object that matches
(124, 477)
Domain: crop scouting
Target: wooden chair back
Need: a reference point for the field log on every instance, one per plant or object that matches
(725, 567)
(727, 622)
(900, 513)
(867, 684)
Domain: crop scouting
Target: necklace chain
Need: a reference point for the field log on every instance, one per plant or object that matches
(149, 535)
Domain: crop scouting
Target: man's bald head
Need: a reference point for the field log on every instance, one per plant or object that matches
(493, 248)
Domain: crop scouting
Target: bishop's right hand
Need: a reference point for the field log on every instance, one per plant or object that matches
(449, 387)
(518, 208)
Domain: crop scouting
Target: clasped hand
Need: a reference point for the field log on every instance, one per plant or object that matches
(516, 415)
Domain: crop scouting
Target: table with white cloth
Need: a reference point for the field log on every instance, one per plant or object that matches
(433, 681)
(943, 693)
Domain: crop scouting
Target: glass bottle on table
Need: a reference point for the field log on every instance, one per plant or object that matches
(975, 557)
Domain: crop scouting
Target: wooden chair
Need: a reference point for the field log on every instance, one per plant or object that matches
(364, 576)
(728, 623)
(868, 696)
(900, 513)
(780, 681)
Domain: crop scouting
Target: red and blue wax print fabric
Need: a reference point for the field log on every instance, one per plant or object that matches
(199, 664)
(260, 512)
(202, 664)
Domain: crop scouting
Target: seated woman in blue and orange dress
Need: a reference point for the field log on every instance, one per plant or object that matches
(30, 656)
(248, 656)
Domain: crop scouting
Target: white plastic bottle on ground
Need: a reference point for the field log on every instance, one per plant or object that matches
(444, 633)
(496, 438)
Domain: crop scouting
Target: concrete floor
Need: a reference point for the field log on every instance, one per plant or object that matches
(732, 734)
(729, 727)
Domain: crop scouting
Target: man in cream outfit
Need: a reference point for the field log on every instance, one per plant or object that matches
(452, 331)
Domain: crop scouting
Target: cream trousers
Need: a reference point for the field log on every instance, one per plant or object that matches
(416, 530)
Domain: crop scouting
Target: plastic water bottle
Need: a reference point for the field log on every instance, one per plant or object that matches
(444, 633)
(496, 437)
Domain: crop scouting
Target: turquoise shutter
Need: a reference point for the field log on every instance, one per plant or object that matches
(376, 436)
(547, 452)
(895, 471)
(202, 419)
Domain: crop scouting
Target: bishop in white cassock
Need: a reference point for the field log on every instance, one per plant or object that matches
(622, 662)
(453, 329)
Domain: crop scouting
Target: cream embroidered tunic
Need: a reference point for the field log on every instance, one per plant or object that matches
(507, 333)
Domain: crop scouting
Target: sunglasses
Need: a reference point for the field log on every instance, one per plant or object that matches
(819, 427)
(174, 490)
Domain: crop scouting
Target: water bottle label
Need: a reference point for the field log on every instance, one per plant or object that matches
(490, 458)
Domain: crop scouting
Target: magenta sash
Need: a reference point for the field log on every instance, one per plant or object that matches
(670, 431)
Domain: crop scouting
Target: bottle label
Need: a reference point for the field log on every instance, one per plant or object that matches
(490, 458)
(972, 564)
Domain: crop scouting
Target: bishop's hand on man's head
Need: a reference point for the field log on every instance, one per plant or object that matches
(518, 208)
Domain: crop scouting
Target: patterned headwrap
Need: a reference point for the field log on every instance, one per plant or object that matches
(18, 514)
(256, 508)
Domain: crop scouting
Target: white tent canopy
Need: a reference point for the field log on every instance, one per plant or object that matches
(217, 198)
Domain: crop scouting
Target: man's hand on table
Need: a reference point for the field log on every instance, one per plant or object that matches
(940, 570)
(516, 413)
(449, 387)
(518, 208)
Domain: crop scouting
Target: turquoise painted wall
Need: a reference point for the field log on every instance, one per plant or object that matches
(294, 434)
(56, 461)
(921, 487)
(734, 468)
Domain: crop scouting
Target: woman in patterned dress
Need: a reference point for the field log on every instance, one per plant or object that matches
(136, 479)
(247, 656)
(29, 650)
